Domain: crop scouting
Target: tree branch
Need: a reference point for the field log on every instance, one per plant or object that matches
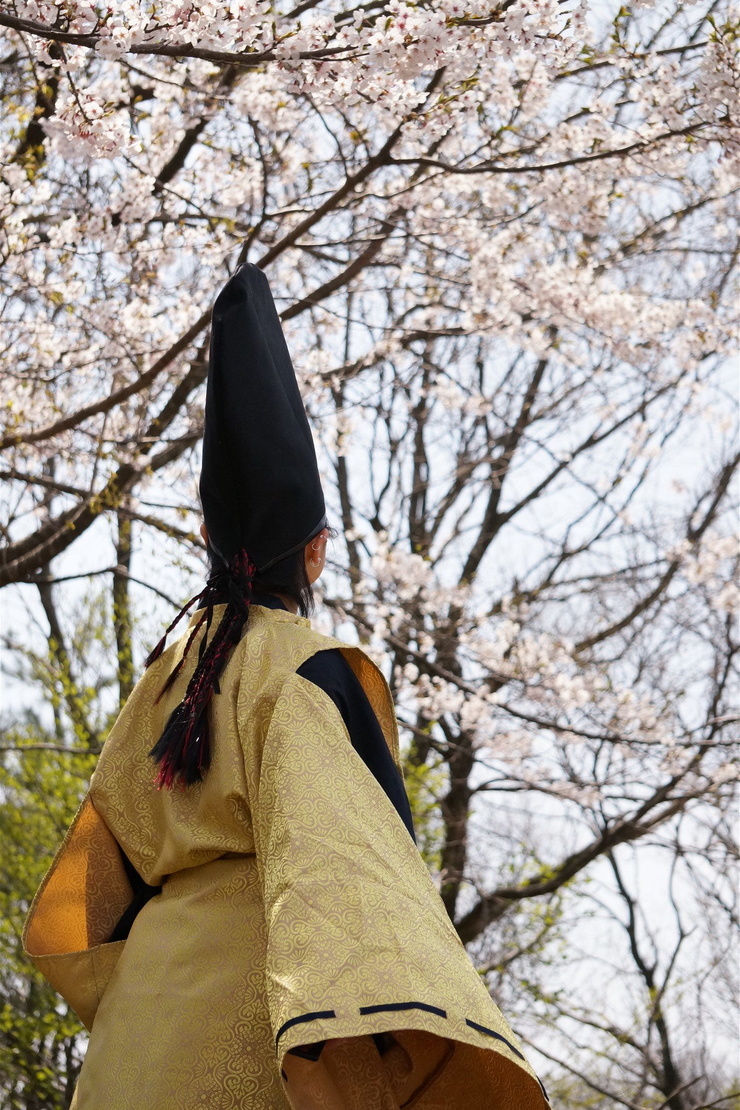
(563, 163)
(692, 535)
(14, 439)
(494, 905)
(245, 59)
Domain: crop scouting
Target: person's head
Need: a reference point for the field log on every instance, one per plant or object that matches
(290, 578)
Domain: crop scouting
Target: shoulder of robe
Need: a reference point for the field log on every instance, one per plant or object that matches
(276, 646)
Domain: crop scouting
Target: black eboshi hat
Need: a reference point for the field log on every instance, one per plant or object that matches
(259, 482)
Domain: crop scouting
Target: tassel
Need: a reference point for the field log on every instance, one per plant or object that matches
(156, 651)
(183, 751)
(207, 615)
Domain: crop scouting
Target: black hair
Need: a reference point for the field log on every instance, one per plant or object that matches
(286, 577)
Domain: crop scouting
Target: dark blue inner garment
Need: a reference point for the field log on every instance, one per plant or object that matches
(331, 672)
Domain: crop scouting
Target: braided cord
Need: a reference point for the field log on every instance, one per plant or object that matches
(183, 751)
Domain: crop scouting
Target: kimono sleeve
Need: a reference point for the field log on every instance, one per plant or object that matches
(331, 672)
(358, 940)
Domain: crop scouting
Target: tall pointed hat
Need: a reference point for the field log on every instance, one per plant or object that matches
(259, 482)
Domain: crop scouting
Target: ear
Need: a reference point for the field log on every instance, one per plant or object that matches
(314, 555)
(204, 533)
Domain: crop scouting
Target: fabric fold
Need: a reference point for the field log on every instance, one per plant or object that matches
(358, 940)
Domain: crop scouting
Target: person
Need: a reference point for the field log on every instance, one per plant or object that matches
(239, 913)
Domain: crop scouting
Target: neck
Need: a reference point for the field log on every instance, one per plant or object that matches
(288, 602)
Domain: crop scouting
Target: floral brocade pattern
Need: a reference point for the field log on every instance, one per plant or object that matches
(354, 923)
(295, 908)
(184, 1022)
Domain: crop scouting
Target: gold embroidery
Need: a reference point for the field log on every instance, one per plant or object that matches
(291, 888)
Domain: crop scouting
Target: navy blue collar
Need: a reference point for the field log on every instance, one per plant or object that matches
(268, 601)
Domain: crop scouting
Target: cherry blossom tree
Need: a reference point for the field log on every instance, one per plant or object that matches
(503, 241)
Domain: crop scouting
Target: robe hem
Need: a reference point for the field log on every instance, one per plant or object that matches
(395, 1007)
(316, 1015)
(492, 1033)
(400, 1007)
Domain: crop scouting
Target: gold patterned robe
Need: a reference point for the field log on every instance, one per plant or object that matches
(294, 909)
